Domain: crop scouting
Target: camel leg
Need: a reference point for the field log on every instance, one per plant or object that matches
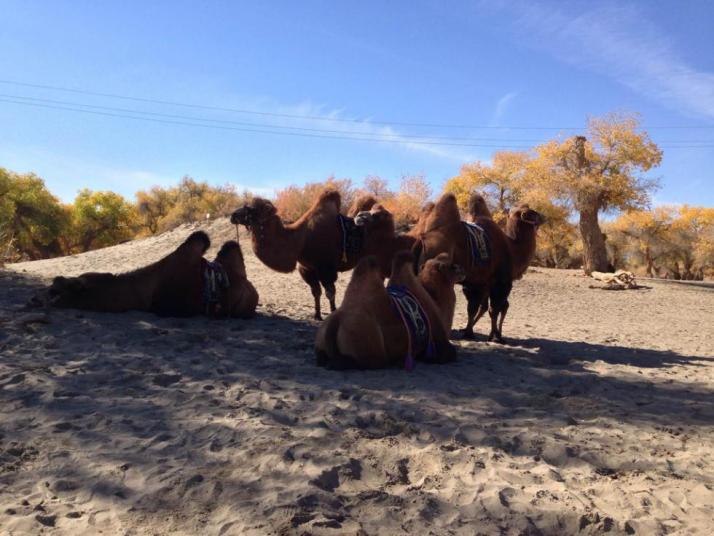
(503, 316)
(499, 306)
(311, 278)
(475, 298)
(328, 278)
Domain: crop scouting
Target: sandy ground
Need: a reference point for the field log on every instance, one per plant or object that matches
(598, 417)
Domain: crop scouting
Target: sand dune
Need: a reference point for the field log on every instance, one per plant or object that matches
(597, 418)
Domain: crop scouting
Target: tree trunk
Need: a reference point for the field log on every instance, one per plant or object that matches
(594, 250)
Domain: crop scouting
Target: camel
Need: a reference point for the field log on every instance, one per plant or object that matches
(181, 284)
(369, 331)
(360, 204)
(483, 250)
(320, 243)
(381, 237)
(521, 229)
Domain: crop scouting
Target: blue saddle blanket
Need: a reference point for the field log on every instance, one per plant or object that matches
(416, 321)
(477, 243)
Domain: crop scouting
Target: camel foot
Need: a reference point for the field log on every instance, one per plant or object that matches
(467, 334)
(496, 338)
(317, 316)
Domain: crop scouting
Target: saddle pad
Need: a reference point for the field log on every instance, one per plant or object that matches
(352, 238)
(416, 321)
(215, 279)
(477, 243)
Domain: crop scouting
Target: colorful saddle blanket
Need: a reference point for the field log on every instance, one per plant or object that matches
(477, 243)
(215, 280)
(352, 238)
(416, 322)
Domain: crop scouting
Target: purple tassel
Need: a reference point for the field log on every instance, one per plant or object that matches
(409, 362)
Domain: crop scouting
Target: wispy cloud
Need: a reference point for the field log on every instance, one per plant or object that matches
(501, 108)
(332, 123)
(619, 42)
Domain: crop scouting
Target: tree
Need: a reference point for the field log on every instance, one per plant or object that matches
(293, 201)
(646, 237)
(153, 206)
(501, 183)
(598, 175)
(160, 209)
(414, 192)
(32, 220)
(101, 219)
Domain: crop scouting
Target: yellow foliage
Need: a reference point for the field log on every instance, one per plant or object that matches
(293, 201)
(414, 192)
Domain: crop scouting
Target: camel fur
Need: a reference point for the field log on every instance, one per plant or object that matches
(381, 237)
(492, 280)
(366, 332)
(313, 243)
(172, 286)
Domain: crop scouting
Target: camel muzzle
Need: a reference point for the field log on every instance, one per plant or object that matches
(362, 218)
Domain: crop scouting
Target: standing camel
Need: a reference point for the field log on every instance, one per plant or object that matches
(321, 243)
(521, 230)
(482, 249)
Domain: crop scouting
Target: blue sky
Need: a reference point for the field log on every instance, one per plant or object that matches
(379, 64)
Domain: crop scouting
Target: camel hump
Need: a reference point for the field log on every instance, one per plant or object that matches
(228, 247)
(331, 195)
(478, 206)
(198, 237)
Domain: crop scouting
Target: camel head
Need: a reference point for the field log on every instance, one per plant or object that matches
(64, 292)
(255, 212)
(378, 218)
(525, 214)
(441, 264)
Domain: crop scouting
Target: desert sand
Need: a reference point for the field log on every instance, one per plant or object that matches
(596, 418)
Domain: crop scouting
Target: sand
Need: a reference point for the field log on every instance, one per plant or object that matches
(597, 417)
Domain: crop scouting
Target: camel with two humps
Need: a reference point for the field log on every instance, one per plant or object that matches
(315, 243)
(521, 229)
(486, 278)
(181, 284)
(367, 332)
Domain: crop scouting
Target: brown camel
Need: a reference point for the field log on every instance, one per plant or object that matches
(370, 330)
(420, 226)
(181, 284)
(521, 229)
(381, 237)
(321, 242)
(483, 250)
(360, 204)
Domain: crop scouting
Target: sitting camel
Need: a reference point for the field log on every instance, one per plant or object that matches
(321, 243)
(377, 327)
(482, 247)
(381, 237)
(181, 284)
